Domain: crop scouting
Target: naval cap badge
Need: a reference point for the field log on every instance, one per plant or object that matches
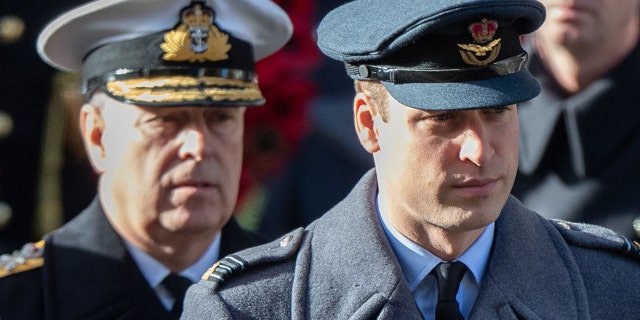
(482, 33)
(196, 38)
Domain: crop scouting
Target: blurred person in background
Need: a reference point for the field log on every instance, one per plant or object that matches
(45, 178)
(275, 134)
(328, 160)
(580, 138)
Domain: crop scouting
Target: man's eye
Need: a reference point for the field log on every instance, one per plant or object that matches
(442, 116)
(500, 109)
(220, 116)
(161, 119)
(168, 118)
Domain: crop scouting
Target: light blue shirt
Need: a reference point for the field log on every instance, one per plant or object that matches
(154, 272)
(417, 263)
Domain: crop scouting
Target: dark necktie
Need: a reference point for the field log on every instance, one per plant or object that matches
(177, 285)
(449, 276)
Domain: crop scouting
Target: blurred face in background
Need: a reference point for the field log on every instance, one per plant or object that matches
(585, 23)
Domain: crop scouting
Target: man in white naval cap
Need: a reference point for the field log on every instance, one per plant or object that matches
(432, 232)
(167, 83)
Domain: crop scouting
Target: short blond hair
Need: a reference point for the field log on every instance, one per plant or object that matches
(378, 94)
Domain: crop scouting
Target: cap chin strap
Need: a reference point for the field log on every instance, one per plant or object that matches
(414, 75)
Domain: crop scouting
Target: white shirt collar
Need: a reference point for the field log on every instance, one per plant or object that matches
(154, 272)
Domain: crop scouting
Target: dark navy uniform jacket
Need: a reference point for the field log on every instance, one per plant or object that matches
(342, 267)
(579, 154)
(89, 274)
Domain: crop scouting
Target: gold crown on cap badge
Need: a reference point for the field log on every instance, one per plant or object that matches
(196, 38)
(482, 33)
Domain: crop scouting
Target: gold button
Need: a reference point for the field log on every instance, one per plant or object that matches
(6, 124)
(11, 29)
(5, 214)
(636, 226)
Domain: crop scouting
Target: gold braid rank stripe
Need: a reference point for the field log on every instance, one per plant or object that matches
(177, 81)
(27, 265)
(181, 89)
(25, 259)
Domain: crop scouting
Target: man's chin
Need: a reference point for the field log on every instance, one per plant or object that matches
(185, 220)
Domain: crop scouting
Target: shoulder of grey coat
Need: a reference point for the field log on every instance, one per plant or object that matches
(596, 237)
(576, 234)
(278, 250)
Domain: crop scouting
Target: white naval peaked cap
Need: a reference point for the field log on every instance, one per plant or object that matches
(66, 40)
(168, 52)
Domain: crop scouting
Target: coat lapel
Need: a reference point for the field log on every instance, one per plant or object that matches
(537, 124)
(531, 273)
(352, 269)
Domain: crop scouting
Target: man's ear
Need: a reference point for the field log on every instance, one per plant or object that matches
(91, 128)
(364, 116)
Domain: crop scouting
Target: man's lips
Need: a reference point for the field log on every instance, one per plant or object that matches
(475, 182)
(193, 184)
(477, 187)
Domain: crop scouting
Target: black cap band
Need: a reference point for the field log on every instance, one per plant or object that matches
(411, 75)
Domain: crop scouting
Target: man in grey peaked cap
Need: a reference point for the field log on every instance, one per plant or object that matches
(432, 232)
(167, 83)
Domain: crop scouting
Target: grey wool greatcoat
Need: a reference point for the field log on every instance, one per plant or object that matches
(342, 267)
(89, 274)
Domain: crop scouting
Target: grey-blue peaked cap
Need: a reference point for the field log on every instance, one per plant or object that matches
(437, 54)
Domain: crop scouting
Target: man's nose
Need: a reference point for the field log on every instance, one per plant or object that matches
(474, 146)
(193, 144)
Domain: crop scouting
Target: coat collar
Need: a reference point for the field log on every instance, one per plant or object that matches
(597, 120)
(361, 276)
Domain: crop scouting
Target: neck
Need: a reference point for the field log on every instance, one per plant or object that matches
(447, 243)
(575, 67)
(443, 243)
(178, 252)
(445, 237)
